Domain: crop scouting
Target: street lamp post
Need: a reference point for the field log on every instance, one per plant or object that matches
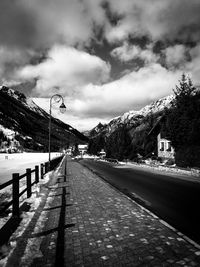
(57, 98)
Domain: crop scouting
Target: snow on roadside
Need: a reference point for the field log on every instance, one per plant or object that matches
(32, 250)
(34, 201)
(33, 246)
(18, 162)
(190, 174)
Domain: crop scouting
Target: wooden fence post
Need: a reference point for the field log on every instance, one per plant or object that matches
(37, 174)
(28, 182)
(41, 171)
(65, 177)
(15, 193)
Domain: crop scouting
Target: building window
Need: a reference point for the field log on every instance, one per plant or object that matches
(169, 146)
(162, 146)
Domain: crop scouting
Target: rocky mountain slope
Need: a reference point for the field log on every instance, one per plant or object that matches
(126, 135)
(133, 118)
(24, 121)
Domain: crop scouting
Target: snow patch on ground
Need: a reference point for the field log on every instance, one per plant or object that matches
(33, 245)
(6, 131)
(86, 156)
(34, 203)
(190, 174)
(18, 162)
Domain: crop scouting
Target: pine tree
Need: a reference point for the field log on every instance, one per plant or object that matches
(183, 122)
(76, 151)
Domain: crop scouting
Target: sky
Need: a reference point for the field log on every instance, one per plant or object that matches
(105, 57)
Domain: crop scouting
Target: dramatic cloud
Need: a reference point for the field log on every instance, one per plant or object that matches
(193, 67)
(67, 68)
(71, 116)
(132, 91)
(103, 102)
(80, 48)
(11, 60)
(40, 25)
(176, 56)
(71, 22)
(157, 18)
(128, 52)
(138, 88)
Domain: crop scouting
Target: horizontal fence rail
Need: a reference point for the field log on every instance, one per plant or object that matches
(2, 186)
(15, 183)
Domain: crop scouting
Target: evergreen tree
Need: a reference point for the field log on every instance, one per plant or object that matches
(183, 121)
(96, 144)
(76, 151)
(118, 145)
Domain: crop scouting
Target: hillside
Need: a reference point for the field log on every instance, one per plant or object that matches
(127, 136)
(134, 134)
(133, 118)
(23, 121)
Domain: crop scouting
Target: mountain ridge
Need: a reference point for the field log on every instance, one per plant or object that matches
(127, 136)
(131, 117)
(30, 123)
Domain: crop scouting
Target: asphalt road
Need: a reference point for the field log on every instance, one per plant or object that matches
(173, 198)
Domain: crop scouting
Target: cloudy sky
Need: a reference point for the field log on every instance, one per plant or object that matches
(105, 57)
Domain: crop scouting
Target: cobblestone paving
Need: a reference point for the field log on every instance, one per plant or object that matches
(90, 223)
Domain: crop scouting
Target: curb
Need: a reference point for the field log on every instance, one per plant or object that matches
(137, 200)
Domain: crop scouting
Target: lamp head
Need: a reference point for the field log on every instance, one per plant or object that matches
(62, 108)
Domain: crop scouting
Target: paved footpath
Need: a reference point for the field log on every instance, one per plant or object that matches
(84, 221)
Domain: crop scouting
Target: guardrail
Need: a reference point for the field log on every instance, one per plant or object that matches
(15, 183)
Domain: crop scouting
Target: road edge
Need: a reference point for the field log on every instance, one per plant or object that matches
(136, 201)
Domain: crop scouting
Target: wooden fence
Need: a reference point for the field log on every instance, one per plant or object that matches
(15, 183)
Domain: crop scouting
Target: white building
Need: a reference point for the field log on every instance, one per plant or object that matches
(165, 149)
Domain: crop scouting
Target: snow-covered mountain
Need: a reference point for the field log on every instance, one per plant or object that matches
(134, 117)
(127, 136)
(28, 102)
(24, 121)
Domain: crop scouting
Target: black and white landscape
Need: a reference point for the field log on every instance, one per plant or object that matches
(109, 92)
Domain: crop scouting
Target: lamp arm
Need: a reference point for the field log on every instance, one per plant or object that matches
(49, 145)
(59, 98)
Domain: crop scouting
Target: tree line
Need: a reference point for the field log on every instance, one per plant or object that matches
(183, 123)
(181, 126)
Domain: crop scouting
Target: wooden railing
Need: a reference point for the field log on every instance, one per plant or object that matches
(15, 183)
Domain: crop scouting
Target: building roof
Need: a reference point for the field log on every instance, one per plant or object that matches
(157, 126)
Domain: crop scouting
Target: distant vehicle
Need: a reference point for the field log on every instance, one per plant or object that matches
(102, 154)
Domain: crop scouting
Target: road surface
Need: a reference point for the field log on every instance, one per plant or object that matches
(175, 199)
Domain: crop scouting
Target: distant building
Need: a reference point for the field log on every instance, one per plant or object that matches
(102, 154)
(82, 149)
(165, 149)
